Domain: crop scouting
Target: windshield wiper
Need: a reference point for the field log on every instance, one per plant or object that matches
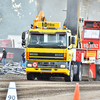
(35, 45)
(60, 46)
(56, 46)
(39, 45)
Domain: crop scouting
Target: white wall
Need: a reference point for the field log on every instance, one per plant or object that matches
(17, 40)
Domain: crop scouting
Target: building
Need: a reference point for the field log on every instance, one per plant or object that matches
(17, 40)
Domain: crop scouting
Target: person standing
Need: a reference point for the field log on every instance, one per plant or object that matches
(4, 56)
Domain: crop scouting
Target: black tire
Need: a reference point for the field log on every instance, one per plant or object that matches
(78, 76)
(70, 77)
(47, 78)
(40, 78)
(97, 73)
(44, 78)
(30, 76)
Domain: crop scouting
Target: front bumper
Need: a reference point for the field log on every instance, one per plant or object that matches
(48, 70)
(49, 64)
(49, 67)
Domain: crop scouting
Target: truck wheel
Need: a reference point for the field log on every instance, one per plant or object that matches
(69, 78)
(30, 76)
(97, 73)
(40, 78)
(78, 76)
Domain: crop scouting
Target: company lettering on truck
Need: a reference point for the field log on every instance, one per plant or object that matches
(93, 46)
(48, 24)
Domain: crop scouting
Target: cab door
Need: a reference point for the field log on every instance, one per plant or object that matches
(69, 45)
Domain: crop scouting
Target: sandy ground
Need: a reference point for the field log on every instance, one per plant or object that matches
(55, 89)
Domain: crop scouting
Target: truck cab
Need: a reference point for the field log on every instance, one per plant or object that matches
(49, 52)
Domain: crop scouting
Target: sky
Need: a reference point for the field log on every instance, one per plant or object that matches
(94, 10)
(17, 16)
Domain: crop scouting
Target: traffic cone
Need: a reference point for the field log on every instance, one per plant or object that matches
(76, 93)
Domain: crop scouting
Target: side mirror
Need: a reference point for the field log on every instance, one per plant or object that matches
(23, 36)
(23, 42)
(73, 40)
(23, 39)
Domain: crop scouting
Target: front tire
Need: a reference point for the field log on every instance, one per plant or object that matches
(70, 77)
(30, 76)
(78, 76)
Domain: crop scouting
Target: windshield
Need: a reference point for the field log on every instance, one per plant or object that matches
(91, 34)
(50, 40)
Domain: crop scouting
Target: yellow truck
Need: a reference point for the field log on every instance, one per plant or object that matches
(49, 51)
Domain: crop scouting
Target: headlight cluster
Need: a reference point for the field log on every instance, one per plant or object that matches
(34, 64)
(29, 65)
(62, 66)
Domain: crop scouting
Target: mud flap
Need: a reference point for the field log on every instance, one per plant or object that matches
(76, 66)
(92, 71)
(77, 71)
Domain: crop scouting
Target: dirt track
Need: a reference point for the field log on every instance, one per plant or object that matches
(55, 89)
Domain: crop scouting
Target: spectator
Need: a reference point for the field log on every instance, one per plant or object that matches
(4, 56)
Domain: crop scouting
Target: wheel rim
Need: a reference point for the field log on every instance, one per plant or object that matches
(71, 75)
(80, 74)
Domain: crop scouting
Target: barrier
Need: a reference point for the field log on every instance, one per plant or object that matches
(12, 94)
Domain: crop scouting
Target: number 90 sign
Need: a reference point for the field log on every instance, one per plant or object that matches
(11, 97)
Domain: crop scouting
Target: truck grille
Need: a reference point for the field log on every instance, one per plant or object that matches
(46, 56)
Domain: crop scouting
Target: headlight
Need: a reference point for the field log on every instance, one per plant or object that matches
(62, 66)
(29, 65)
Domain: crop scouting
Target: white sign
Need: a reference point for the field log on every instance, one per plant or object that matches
(91, 59)
(12, 94)
(91, 33)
